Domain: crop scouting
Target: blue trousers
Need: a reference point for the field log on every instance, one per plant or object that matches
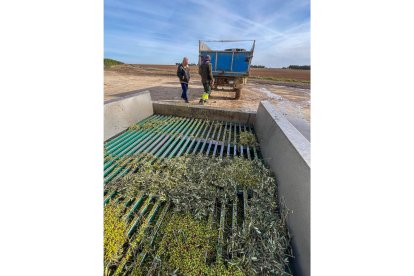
(184, 86)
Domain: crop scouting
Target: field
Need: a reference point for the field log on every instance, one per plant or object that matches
(288, 90)
(302, 76)
(277, 74)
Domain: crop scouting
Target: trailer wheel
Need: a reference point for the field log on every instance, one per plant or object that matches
(238, 93)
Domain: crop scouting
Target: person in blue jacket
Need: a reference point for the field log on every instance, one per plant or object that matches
(183, 74)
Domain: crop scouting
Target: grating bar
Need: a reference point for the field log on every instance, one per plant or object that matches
(141, 214)
(177, 139)
(199, 140)
(148, 147)
(223, 141)
(193, 140)
(183, 141)
(211, 139)
(133, 147)
(128, 134)
(119, 152)
(126, 142)
(235, 142)
(139, 237)
(148, 140)
(241, 146)
(233, 224)
(207, 137)
(217, 138)
(228, 142)
(221, 230)
(108, 144)
(135, 207)
(144, 254)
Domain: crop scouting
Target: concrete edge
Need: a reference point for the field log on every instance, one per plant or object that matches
(203, 112)
(126, 97)
(119, 114)
(298, 141)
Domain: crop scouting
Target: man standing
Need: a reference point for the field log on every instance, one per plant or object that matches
(206, 72)
(183, 73)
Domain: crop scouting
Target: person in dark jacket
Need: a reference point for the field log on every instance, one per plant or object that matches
(206, 72)
(183, 73)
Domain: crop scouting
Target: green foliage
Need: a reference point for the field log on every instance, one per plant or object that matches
(131, 162)
(148, 125)
(248, 139)
(191, 183)
(114, 234)
(184, 245)
(111, 62)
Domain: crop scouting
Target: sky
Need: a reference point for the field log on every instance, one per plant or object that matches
(163, 32)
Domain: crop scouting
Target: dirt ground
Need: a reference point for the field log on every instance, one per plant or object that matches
(291, 98)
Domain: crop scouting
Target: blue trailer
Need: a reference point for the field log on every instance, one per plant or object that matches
(230, 66)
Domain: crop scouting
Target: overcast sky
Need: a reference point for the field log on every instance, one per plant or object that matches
(162, 32)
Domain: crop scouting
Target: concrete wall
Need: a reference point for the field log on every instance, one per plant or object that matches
(119, 114)
(204, 112)
(287, 152)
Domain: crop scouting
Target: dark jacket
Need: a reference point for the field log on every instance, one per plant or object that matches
(183, 73)
(206, 72)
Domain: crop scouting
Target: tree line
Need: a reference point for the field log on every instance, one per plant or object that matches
(300, 67)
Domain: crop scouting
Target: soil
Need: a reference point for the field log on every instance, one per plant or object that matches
(291, 98)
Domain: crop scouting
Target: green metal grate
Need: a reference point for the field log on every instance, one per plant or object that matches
(163, 137)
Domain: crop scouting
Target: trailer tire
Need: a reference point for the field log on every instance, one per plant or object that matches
(238, 93)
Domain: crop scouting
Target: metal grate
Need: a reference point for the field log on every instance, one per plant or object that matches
(166, 137)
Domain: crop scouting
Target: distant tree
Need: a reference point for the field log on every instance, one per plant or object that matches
(108, 62)
(257, 66)
(300, 67)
